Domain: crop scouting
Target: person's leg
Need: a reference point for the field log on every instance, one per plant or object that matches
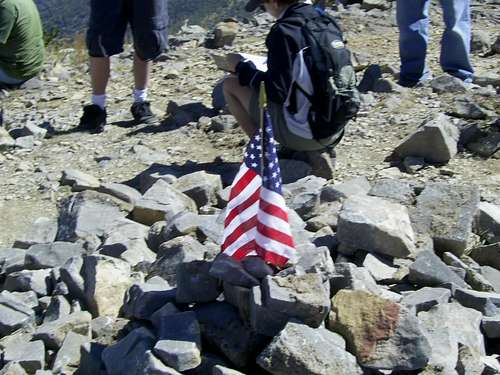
(413, 22)
(142, 71)
(238, 101)
(455, 44)
(99, 77)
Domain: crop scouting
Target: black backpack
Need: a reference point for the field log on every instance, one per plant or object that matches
(334, 98)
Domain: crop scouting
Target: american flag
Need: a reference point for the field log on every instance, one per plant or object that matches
(256, 220)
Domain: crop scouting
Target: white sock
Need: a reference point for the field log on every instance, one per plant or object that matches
(99, 100)
(140, 96)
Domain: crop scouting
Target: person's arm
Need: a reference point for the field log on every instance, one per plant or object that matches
(7, 20)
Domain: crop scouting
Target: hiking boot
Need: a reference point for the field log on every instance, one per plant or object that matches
(142, 113)
(93, 119)
(322, 163)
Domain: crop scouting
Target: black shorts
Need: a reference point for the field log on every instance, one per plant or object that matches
(148, 20)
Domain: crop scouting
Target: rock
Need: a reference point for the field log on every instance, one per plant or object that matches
(201, 187)
(376, 225)
(174, 252)
(379, 268)
(301, 297)
(154, 366)
(492, 276)
(491, 326)
(88, 214)
(27, 130)
(425, 298)
(396, 191)
(186, 111)
(429, 270)
(162, 314)
(13, 368)
(344, 190)
(182, 224)
(6, 141)
(385, 85)
(161, 201)
(316, 260)
(488, 222)
(30, 355)
(487, 79)
(39, 281)
(285, 355)
(370, 76)
(375, 4)
(448, 325)
(68, 357)
(30, 298)
(144, 299)
(465, 107)
(127, 355)
(232, 271)
(496, 46)
(51, 255)
(54, 333)
(43, 230)
(79, 181)
(179, 344)
(486, 145)
(481, 41)
(223, 330)
(25, 143)
(302, 196)
(194, 283)
(257, 267)
(263, 320)
(448, 212)
(448, 84)
(487, 303)
(382, 334)
(133, 252)
(11, 260)
(90, 360)
(469, 361)
(348, 276)
(294, 170)
(225, 33)
(487, 255)
(121, 191)
(106, 281)
(58, 308)
(435, 141)
(222, 123)
(221, 370)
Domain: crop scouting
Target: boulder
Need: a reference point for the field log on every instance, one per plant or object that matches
(43, 230)
(51, 255)
(488, 222)
(376, 225)
(382, 334)
(201, 187)
(54, 333)
(429, 270)
(325, 353)
(435, 141)
(79, 181)
(194, 283)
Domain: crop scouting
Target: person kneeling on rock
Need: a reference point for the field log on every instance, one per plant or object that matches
(310, 84)
(22, 48)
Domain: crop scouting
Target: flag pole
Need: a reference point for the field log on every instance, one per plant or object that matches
(262, 107)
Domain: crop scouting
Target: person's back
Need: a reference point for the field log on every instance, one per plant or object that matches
(21, 40)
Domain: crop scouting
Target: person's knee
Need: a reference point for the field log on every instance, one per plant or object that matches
(229, 86)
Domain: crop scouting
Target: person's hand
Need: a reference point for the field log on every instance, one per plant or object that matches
(232, 60)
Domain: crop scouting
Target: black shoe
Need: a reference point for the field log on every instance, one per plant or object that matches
(142, 113)
(93, 119)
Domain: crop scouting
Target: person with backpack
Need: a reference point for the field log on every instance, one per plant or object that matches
(413, 21)
(22, 49)
(310, 83)
(109, 19)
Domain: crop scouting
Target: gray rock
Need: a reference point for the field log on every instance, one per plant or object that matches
(465, 107)
(285, 354)
(485, 146)
(163, 314)
(346, 189)
(381, 269)
(487, 255)
(491, 326)
(493, 277)
(58, 308)
(25, 143)
(51, 255)
(30, 355)
(348, 276)
(29, 130)
(120, 191)
(13, 368)
(239, 297)
(425, 298)
(481, 41)
(449, 212)
(496, 46)
(106, 281)
(315, 260)
(376, 225)
(232, 271)
(488, 222)
(90, 360)
(396, 191)
(54, 333)
(174, 252)
(28, 298)
(487, 79)
(201, 187)
(78, 180)
(487, 303)
(294, 170)
(257, 267)
(39, 281)
(221, 370)
(435, 141)
(302, 297)
(68, 357)
(11, 260)
(446, 326)
(182, 224)
(469, 362)
(413, 164)
(179, 344)
(144, 299)
(89, 214)
(72, 277)
(376, 4)
(161, 201)
(303, 195)
(43, 230)
(6, 141)
(263, 320)
(126, 356)
(429, 270)
(386, 85)
(222, 123)
(154, 366)
(186, 111)
(194, 283)
(222, 329)
(448, 84)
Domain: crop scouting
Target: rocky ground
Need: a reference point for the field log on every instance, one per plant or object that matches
(385, 153)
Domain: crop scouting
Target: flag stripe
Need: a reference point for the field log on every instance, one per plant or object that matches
(243, 251)
(249, 236)
(242, 183)
(273, 258)
(274, 210)
(242, 218)
(241, 207)
(272, 222)
(275, 234)
(245, 193)
(239, 231)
